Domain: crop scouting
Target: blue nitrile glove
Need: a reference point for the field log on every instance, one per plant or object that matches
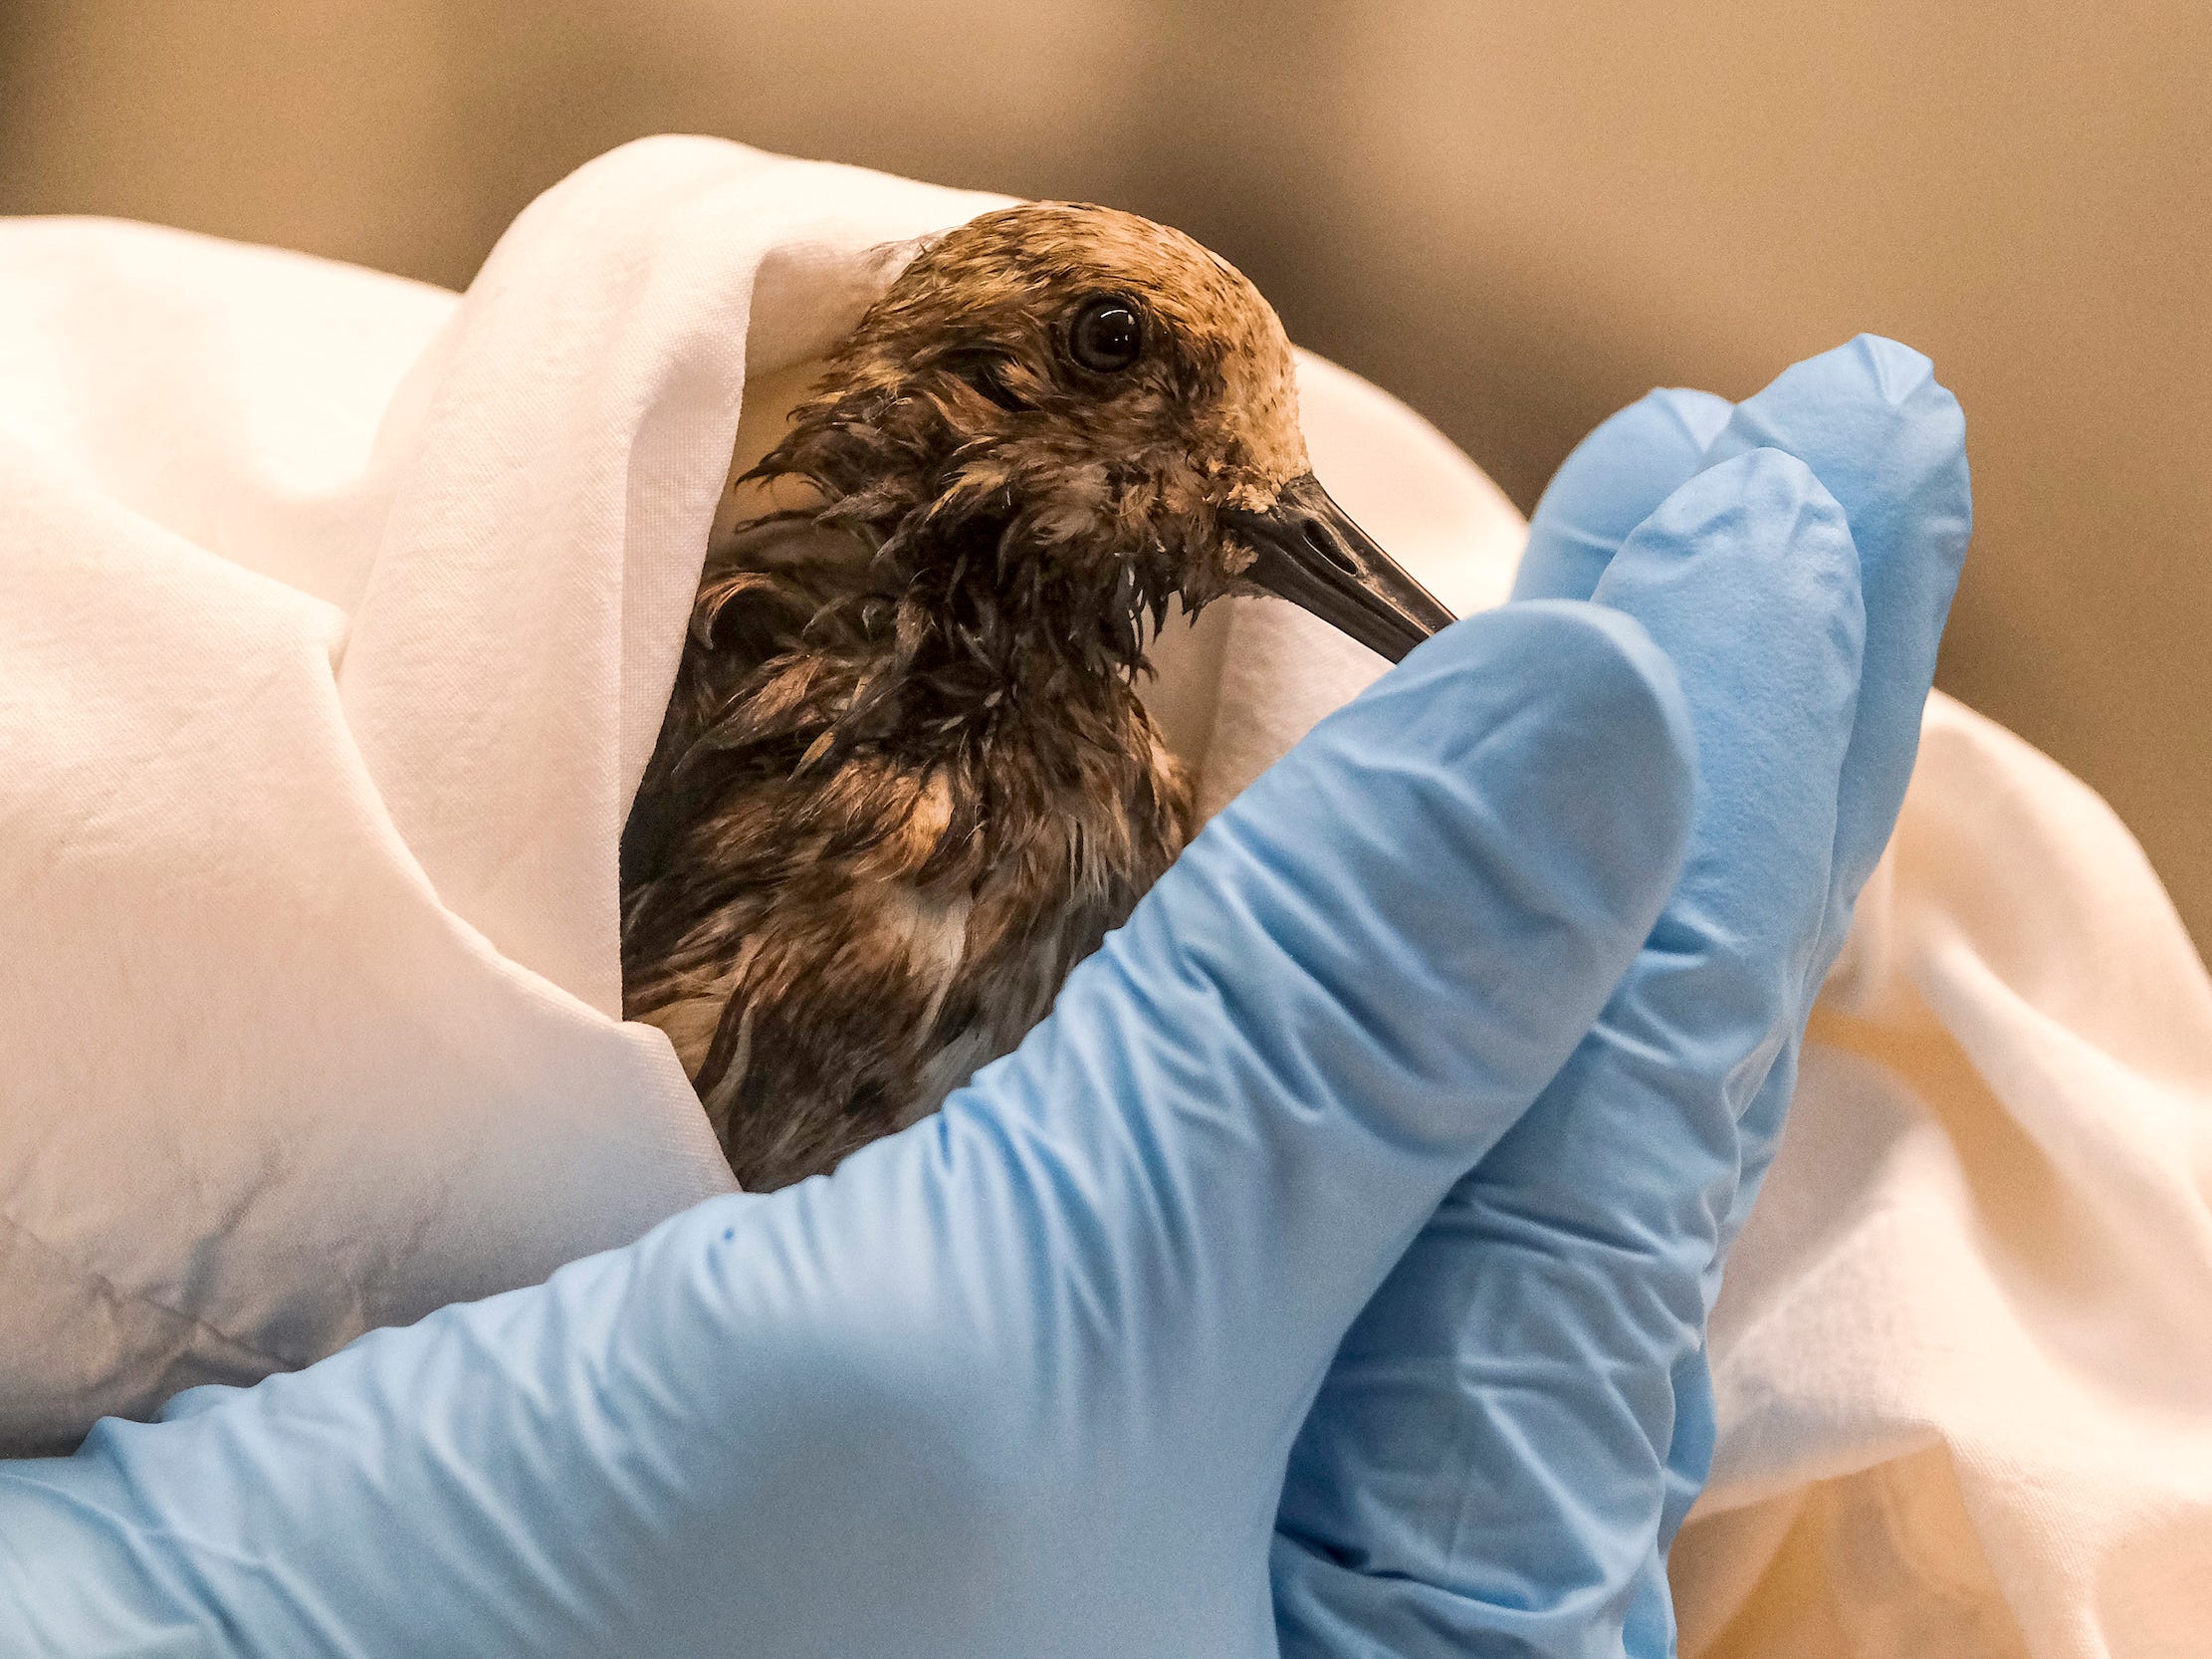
(1513, 1430)
(1019, 1383)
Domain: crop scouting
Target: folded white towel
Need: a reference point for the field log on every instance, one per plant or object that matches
(1963, 1357)
(338, 617)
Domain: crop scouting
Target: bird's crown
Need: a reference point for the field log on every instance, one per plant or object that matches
(1089, 316)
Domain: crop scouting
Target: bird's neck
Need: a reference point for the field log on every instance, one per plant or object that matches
(980, 647)
(955, 617)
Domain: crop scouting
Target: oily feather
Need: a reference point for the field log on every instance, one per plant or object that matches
(904, 781)
(854, 905)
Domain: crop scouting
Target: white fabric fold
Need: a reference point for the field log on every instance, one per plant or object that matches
(339, 618)
(1963, 1354)
(339, 614)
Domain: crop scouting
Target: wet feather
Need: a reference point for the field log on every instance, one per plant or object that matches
(906, 779)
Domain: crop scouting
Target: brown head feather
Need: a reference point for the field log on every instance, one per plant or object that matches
(957, 431)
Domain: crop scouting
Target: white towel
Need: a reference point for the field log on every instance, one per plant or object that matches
(1963, 1356)
(339, 614)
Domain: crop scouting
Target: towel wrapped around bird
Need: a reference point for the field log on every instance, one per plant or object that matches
(341, 620)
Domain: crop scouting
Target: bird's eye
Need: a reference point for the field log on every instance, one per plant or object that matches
(1107, 334)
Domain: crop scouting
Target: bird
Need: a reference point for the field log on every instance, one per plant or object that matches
(906, 779)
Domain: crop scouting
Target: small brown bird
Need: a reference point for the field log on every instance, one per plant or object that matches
(905, 782)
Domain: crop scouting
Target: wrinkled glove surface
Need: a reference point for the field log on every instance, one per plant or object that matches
(1517, 1425)
(1024, 1379)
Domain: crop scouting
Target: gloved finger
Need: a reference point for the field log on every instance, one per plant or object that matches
(1021, 1379)
(1872, 420)
(1890, 443)
(1485, 1465)
(1609, 484)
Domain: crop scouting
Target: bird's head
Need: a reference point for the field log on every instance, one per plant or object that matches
(1099, 416)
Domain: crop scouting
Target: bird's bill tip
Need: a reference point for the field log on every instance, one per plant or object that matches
(1310, 551)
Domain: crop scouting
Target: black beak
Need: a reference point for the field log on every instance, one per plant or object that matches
(1313, 555)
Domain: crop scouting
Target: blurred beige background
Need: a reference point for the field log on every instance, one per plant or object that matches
(1516, 216)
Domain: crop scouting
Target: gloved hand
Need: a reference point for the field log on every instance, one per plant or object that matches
(1515, 1427)
(1022, 1381)
(1019, 1381)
